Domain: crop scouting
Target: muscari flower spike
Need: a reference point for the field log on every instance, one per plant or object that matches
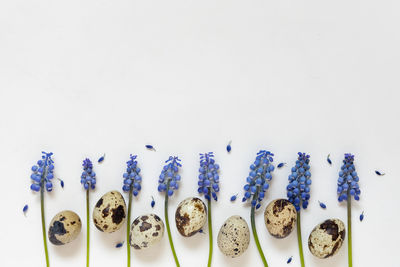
(132, 179)
(208, 178)
(348, 180)
(42, 173)
(298, 190)
(88, 177)
(259, 178)
(169, 174)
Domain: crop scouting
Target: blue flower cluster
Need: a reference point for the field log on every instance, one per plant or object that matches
(169, 177)
(298, 190)
(88, 177)
(43, 173)
(348, 180)
(260, 174)
(132, 178)
(208, 177)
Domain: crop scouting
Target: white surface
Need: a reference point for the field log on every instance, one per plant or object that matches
(80, 78)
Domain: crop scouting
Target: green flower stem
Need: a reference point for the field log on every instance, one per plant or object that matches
(349, 244)
(46, 252)
(253, 228)
(87, 228)
(210, 234)
(299, 239)
(171, 243)
(128, 228)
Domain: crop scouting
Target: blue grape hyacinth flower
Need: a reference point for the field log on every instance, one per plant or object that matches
(348, 180)
(348, 187)
(132, 179)
(167, 183)
(88, 177)
(209, 186)
(169, 177)
(257, 183)
(42, 173)
(208, 178)
(298, 190)
(259, 177)
(88, 180)
(41, 177)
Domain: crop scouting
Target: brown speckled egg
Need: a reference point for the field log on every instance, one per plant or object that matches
(280, 218)
(146, 230)
(234, 237)
(64, 227)
(326, 238)
(190, 216)
(110, 212)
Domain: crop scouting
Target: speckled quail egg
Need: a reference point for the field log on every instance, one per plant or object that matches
(64, 227)
(190, 216)
(326, 238)
(280, 218)
(234, 237)
(110, 212)
(146, 231)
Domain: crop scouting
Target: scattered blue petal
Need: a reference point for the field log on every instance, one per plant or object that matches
(150, 147)
(120, 244)
(362, 216)
(289, 260)
(101, 159)
(280, 165)
(25, 209)
(328, 159)
(379, 173)
(233, 198)
(322, 205)
(152, 202)
(61, 182)
(229, 147)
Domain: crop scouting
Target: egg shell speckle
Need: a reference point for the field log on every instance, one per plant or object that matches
(146, 231)
(110, 212)
(326, 238)
(234, 237)
(280, 218)
(190, 216)
(64, 227)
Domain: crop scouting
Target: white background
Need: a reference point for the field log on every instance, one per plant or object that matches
(83, 78)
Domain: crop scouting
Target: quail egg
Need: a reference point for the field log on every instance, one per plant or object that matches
(146, 231)
(110, 212)
(64, 227)
(280, 218)
(234, 237)
(190, 216)
(326, 238)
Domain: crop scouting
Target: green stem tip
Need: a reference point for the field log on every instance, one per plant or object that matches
(253, 228)
(210, 234)
(299, 240)
(46, 252)
(128, 229)
(87, 228)
(349, 243)
(171, 243)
